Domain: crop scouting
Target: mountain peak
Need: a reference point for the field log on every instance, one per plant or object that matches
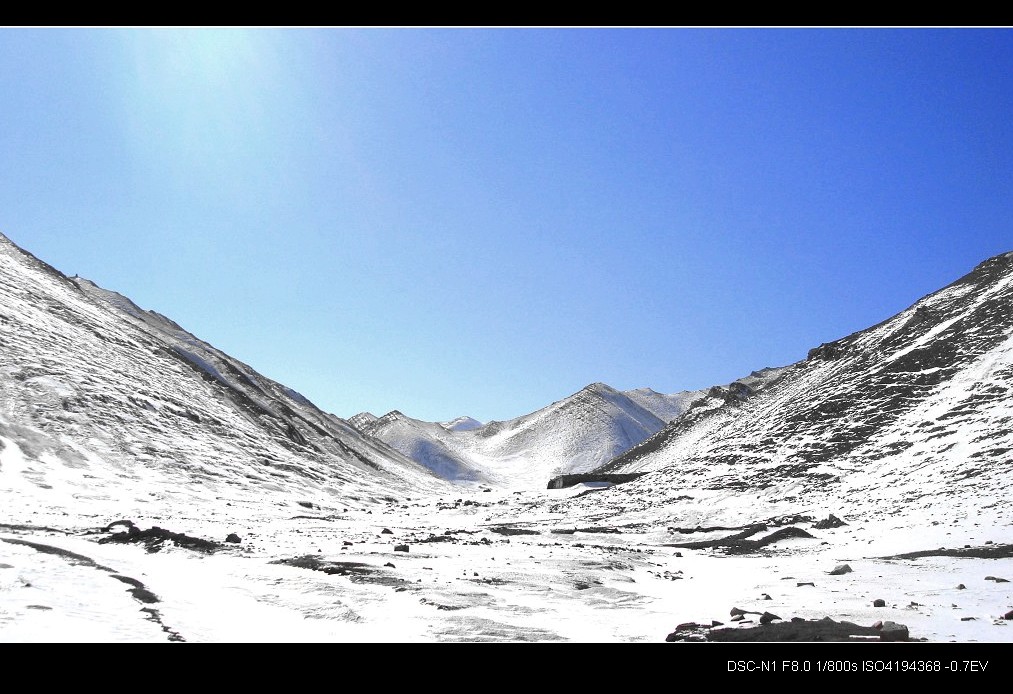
(599, 388)
(463, 423)
(392, 416)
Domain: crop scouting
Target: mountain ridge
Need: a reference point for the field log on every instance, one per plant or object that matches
(93, 383)
(911, 409)
(571, 435)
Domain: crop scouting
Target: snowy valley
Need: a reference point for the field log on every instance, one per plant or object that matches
(153, 488)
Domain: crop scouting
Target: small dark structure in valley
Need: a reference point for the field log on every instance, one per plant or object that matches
(564, 481)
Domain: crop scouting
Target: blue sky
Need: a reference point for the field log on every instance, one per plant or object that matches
(479, 221)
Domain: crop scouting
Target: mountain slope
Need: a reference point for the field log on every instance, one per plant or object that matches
(901, 415)
(96, 390)
(572, 435)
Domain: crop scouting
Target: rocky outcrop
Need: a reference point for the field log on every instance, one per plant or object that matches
(796, 629)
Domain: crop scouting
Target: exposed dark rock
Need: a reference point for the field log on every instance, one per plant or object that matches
(1008, 615)
(386, 531)
(841, 569)
(232, 537)
(961, 586)
(800, 630)
(505, 530)
(805, 583)
(315, 563)
(826, 351)
(983, 552)
(794, 519)
(753, 528)
(829, 522)
(879, 602)
(306, 504)
(997, 579)
(128, 524)
(390, 565)
(400, 548)
(688, 631)
(891, 631)
(768, 617)
(737, 544)
(137, 589)
(600, 529)
(154, 538)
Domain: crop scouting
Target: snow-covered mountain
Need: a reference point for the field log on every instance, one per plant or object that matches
(912, 412)
(96, 390)
(572, 435)
(463, 423)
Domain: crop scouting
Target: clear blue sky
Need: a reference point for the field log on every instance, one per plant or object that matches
(481, 222)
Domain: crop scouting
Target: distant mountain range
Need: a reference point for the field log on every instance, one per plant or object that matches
(574, 435)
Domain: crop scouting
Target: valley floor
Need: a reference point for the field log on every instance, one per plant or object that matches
(477, 566)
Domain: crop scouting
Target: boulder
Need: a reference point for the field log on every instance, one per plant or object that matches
(892, 631)
(831, 521)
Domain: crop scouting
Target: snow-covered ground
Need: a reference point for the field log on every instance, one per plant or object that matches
(479, 566)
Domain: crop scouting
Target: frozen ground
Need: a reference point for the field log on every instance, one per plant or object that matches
(500, 565)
